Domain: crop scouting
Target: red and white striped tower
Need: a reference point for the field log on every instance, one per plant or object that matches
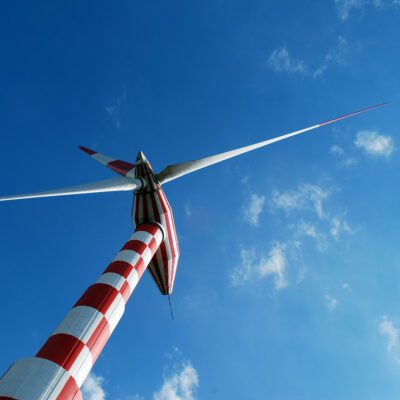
(62, 364)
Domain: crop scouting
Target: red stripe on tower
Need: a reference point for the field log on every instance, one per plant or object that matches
(70, 391)
(122, 268)
(99, 339)
(98, 296)
(61, 349)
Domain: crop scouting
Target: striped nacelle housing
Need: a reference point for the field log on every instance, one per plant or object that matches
(151, 204)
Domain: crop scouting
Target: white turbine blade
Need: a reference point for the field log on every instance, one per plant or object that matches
(177, 170)
(109, 185)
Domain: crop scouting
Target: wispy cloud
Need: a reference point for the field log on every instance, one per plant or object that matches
(116, 109)
(374, 144)
(93, 389)
(247, 269)
(252, 210)
(275, 265)
(340, 226)
(337, 150)
(281, 61)
(308, 200)
(310, 230)
(388, 329)
(313, 219)
(188, 210)
(255, 267)
(341, 155)
(346, 286)
(336, 56)
(346, 7)
(181, 385)
(306, 196)
(331, 302)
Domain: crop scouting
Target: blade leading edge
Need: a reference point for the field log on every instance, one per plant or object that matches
(177, 170)
(108, 185)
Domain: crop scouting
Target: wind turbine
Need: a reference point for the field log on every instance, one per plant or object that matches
(61, 366)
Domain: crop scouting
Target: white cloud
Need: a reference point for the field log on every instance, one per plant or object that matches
(339, 226)
(307, 196)
(253, 210)
(336, 56)
(309, 202)
(188, 210)
(116, 110)
(313, 219)
(347, 7)
(337, 150)
(349, 161)
(257, 268)
(346, 286)
(310, 230)
(275, 264)
(246, 271)
(92, 388)
(331, 303)
(391, 333)
(179, 386)
(307, 229)
(280, 60)
(374, 144)
(182, 385)
(345, 160)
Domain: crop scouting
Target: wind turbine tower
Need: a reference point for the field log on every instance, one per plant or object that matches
(60, 367)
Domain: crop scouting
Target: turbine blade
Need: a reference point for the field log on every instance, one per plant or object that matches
(109, 185)
(123, 168)
(177, 170)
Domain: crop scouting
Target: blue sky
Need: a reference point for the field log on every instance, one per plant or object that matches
(288, 283)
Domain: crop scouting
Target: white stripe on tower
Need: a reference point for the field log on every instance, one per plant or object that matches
(60, 367)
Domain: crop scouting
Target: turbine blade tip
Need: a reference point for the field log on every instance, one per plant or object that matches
(352, 114)
(87, 151)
